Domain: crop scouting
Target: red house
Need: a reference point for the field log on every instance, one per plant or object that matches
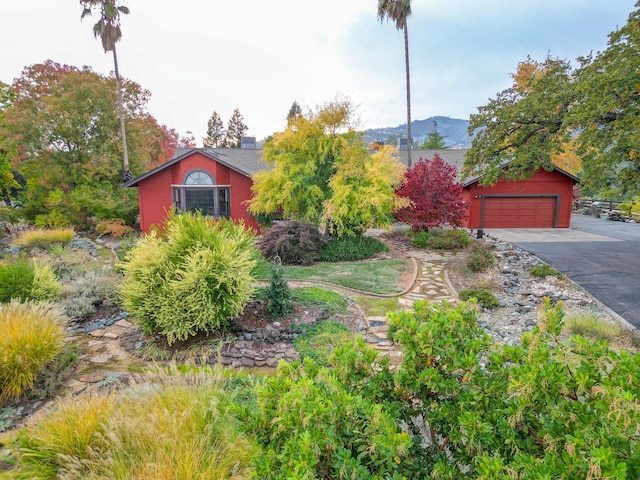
(214, 181)
(218, 182)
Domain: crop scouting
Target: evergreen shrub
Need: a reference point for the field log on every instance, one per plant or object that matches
(194, 277)
(295, 242)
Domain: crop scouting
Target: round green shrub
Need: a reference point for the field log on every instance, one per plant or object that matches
(196, 277)
(484, 297)
(544, 270)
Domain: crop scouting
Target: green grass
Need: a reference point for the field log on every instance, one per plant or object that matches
(380, 276)
(377, 307)
(318, 341)
(589, 324)
(321, 297)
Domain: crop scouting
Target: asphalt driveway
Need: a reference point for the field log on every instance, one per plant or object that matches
(600, 255)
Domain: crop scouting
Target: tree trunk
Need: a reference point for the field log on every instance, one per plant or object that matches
(126, 173)
(406, 60)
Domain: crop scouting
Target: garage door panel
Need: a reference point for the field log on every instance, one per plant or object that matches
(519, 212)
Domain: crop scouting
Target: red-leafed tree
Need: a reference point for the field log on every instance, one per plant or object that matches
(432, 187)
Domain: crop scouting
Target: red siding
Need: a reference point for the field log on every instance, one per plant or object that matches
(154, 192)
(541, 183)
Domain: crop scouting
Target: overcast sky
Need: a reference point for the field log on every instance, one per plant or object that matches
(197, 56)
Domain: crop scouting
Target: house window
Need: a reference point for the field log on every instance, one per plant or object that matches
(199, 192)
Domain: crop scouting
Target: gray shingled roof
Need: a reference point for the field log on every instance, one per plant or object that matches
(248, 161)
(244, 161)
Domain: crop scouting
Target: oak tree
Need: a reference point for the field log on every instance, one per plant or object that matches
(552, 110)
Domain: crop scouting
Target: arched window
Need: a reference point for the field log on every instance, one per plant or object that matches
(199, 192)
(199, 177)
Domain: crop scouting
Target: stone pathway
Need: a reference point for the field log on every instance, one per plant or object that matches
(430, 284)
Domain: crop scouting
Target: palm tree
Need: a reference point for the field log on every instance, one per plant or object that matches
(108, 29)
(398, 11)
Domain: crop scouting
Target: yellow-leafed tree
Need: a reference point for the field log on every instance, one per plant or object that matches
(322, 173)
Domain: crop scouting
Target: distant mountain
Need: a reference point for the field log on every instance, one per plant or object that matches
(454, 130)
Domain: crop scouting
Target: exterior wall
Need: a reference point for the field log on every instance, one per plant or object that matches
(154, 192)
(542, 182)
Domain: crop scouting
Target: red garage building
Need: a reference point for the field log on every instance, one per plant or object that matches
(543, 201)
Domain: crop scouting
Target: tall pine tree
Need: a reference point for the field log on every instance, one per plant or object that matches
(235, 130)
(294, 112)
(215, 132)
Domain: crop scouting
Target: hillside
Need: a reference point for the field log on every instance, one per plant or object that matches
(454, 130)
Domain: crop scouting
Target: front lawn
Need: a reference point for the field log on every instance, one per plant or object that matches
(375, 276)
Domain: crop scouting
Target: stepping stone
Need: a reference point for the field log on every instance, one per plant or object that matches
(94, 377)
(97, 333)
(74, 386)
(124, 324)
(111, 335)
(96, 343)
(104, 358)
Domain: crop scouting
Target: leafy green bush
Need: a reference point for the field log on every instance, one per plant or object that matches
(309, 425)
(484, 297)
(295, 242)
(480, 258)
(26, 280)
(545, 408)
(441, 239)
(453, 239)
(544, 270)
(351, 248)
(421, 239)
(31, 335)
(197, 277)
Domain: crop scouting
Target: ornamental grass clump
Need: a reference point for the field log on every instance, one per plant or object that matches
(25, 280)
(31, 335)
(179, 426)
(45, 238)
(194, 277)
